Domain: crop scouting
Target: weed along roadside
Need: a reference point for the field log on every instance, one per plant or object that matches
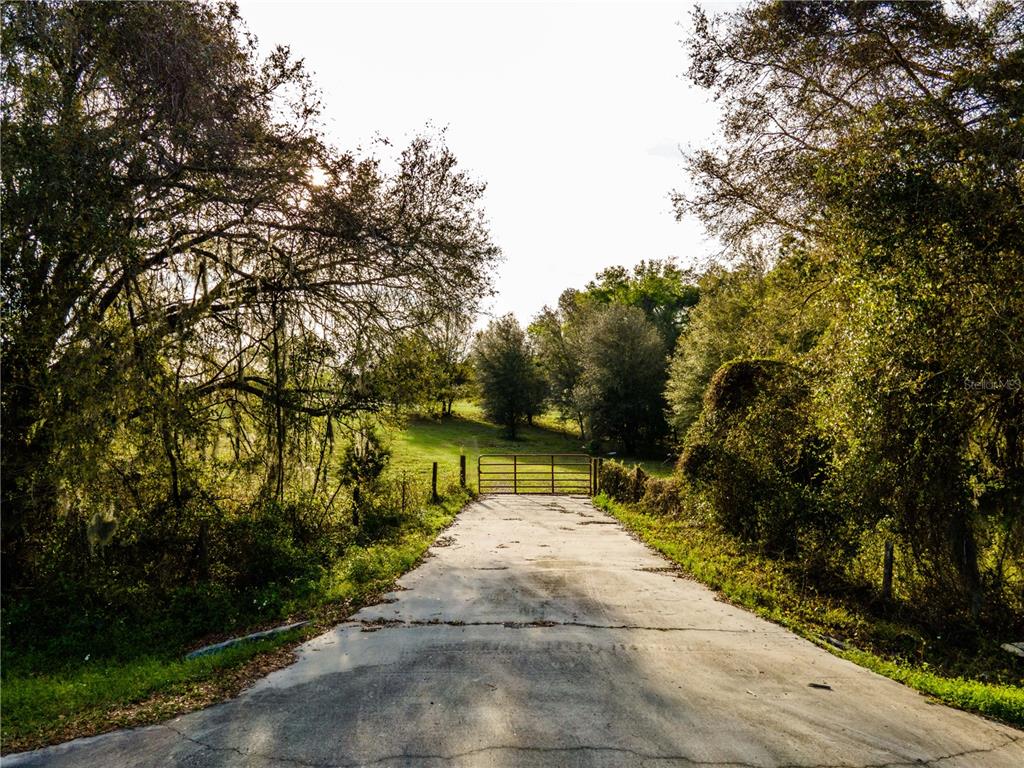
(43, 707)
(972, 673)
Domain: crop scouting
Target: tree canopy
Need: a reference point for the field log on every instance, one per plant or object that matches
(185, 257)
(507, 375)
(874, 150)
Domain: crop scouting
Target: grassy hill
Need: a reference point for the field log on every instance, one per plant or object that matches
(423, 441)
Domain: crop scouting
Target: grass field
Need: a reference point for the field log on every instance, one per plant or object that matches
(424, 441)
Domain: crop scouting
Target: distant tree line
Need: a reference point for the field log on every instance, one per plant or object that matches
(600, 358)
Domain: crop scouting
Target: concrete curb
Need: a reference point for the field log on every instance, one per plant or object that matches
(208, 649)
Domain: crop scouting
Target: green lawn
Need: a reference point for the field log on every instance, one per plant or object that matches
(424, 441)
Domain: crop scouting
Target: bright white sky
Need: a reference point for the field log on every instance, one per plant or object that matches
(573, 114)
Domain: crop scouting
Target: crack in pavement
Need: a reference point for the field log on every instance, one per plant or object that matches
(382, 623)
(685, 759)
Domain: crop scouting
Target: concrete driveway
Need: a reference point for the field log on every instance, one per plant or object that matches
(540, 633)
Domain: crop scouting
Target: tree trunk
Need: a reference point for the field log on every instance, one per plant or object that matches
(279, 434)
(965, 558)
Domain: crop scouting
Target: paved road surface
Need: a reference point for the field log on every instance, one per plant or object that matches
(540, 633)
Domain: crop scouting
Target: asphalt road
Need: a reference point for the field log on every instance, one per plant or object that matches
(540, 633)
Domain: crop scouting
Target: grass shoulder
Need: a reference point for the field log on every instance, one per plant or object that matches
(986, 683)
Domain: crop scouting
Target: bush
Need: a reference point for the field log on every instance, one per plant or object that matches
(663, 497)
(263, 549)
(622, 483)
(756, 459)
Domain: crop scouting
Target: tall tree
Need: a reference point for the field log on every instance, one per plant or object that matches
(623, 378)
(167, 251)
(559, 346)
(884, 139)
(449, 339)
(510, 381)
(660, 289)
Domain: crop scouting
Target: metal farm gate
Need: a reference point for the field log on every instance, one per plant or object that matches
(550, 473)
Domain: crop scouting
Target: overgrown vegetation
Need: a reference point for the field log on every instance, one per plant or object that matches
(119, 666)
(873, 146)
(202, 303)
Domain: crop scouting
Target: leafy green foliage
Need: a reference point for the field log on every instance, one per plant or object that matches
(603, 351)
(621, 482)
(660, 289)
(427, 368)
(559, 346)
(875, 149)
(198, 292)
(756, 461)
(87, 690)
(365, 458)
(510, 381)
(623, 379)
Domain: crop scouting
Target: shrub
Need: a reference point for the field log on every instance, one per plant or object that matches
(263, 548)
(622, 483)
(757, 460)
(662, 496)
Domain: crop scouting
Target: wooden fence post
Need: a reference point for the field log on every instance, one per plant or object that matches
(462, 470)
(433, 485)
(887, 572)
(552, 474)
